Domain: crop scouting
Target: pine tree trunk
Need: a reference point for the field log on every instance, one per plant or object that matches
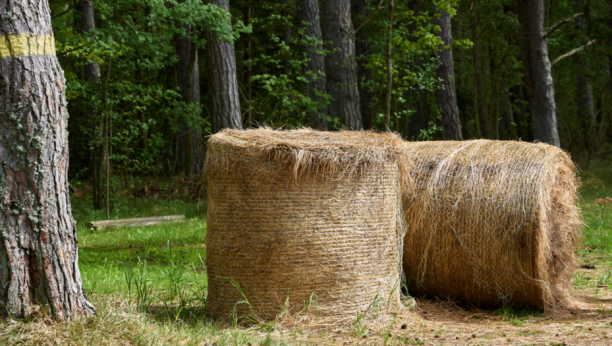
(308, 18)
(38, 248)
(542, 106)
(363, 50)
(188, 79)
(340, 63)
(447, 97)
(223, 84)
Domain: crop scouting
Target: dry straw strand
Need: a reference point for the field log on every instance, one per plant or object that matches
(491, 222)
(299, 214)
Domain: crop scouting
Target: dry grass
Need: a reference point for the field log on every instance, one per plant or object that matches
(432, 323)
(491, 223)
(302, 220)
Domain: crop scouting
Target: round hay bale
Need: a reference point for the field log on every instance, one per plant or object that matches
(298, 218)
(491, 222)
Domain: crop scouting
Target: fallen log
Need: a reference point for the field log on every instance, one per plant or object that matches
(143, 221)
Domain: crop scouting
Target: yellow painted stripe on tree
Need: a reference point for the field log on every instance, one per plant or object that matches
(26, 45)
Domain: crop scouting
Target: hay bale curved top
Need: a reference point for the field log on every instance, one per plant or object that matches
(300, 215)
(491, 222)
(305, 151)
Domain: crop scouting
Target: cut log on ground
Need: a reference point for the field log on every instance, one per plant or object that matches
(143, 221)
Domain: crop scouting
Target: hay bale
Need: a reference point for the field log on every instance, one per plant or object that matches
(491, 222)
(300, 215)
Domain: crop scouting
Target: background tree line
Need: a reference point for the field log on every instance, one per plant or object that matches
(147, 80)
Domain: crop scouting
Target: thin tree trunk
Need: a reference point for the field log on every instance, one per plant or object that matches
(92, 75)
(308, 18)
(143, 116)
(88, 24)
(509, 123)
(145, 136)
(447, 98)
(340, 63)
(107, 152)
(287, 37)
(38, 240)
(495, 92)
(418, 99)
(481, 102)
(359, 10)
(188, 78)
(420, 117)
(584, 93)
(249, 72)
(543, 108)
(520, 8)
(389, 64)
(223, 84)
(520, 117)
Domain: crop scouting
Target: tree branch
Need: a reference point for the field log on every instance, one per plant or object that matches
(74, 49)
(571, 52)
(369, 18)
(558, 24)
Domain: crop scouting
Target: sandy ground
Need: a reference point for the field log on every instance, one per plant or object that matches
(445, 323)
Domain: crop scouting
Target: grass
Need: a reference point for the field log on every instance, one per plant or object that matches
(149, 287)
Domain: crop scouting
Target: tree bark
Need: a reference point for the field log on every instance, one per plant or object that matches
(542, 105)
(340, 63)
(308, 18)
(359, 10)
(447, 97)
(38, 247)
(88, 24)
(188, 78)
(223, 83)
(389, 64)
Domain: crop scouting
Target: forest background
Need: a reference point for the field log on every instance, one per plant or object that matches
(144, 90)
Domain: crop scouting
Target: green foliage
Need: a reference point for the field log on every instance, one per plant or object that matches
(279, 79)
(415, 60)
(134, 44)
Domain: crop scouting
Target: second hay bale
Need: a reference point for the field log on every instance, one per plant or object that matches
(300, 215)
(491, 222)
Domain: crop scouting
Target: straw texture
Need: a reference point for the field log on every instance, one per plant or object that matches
(300, 216)
(491, 222)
